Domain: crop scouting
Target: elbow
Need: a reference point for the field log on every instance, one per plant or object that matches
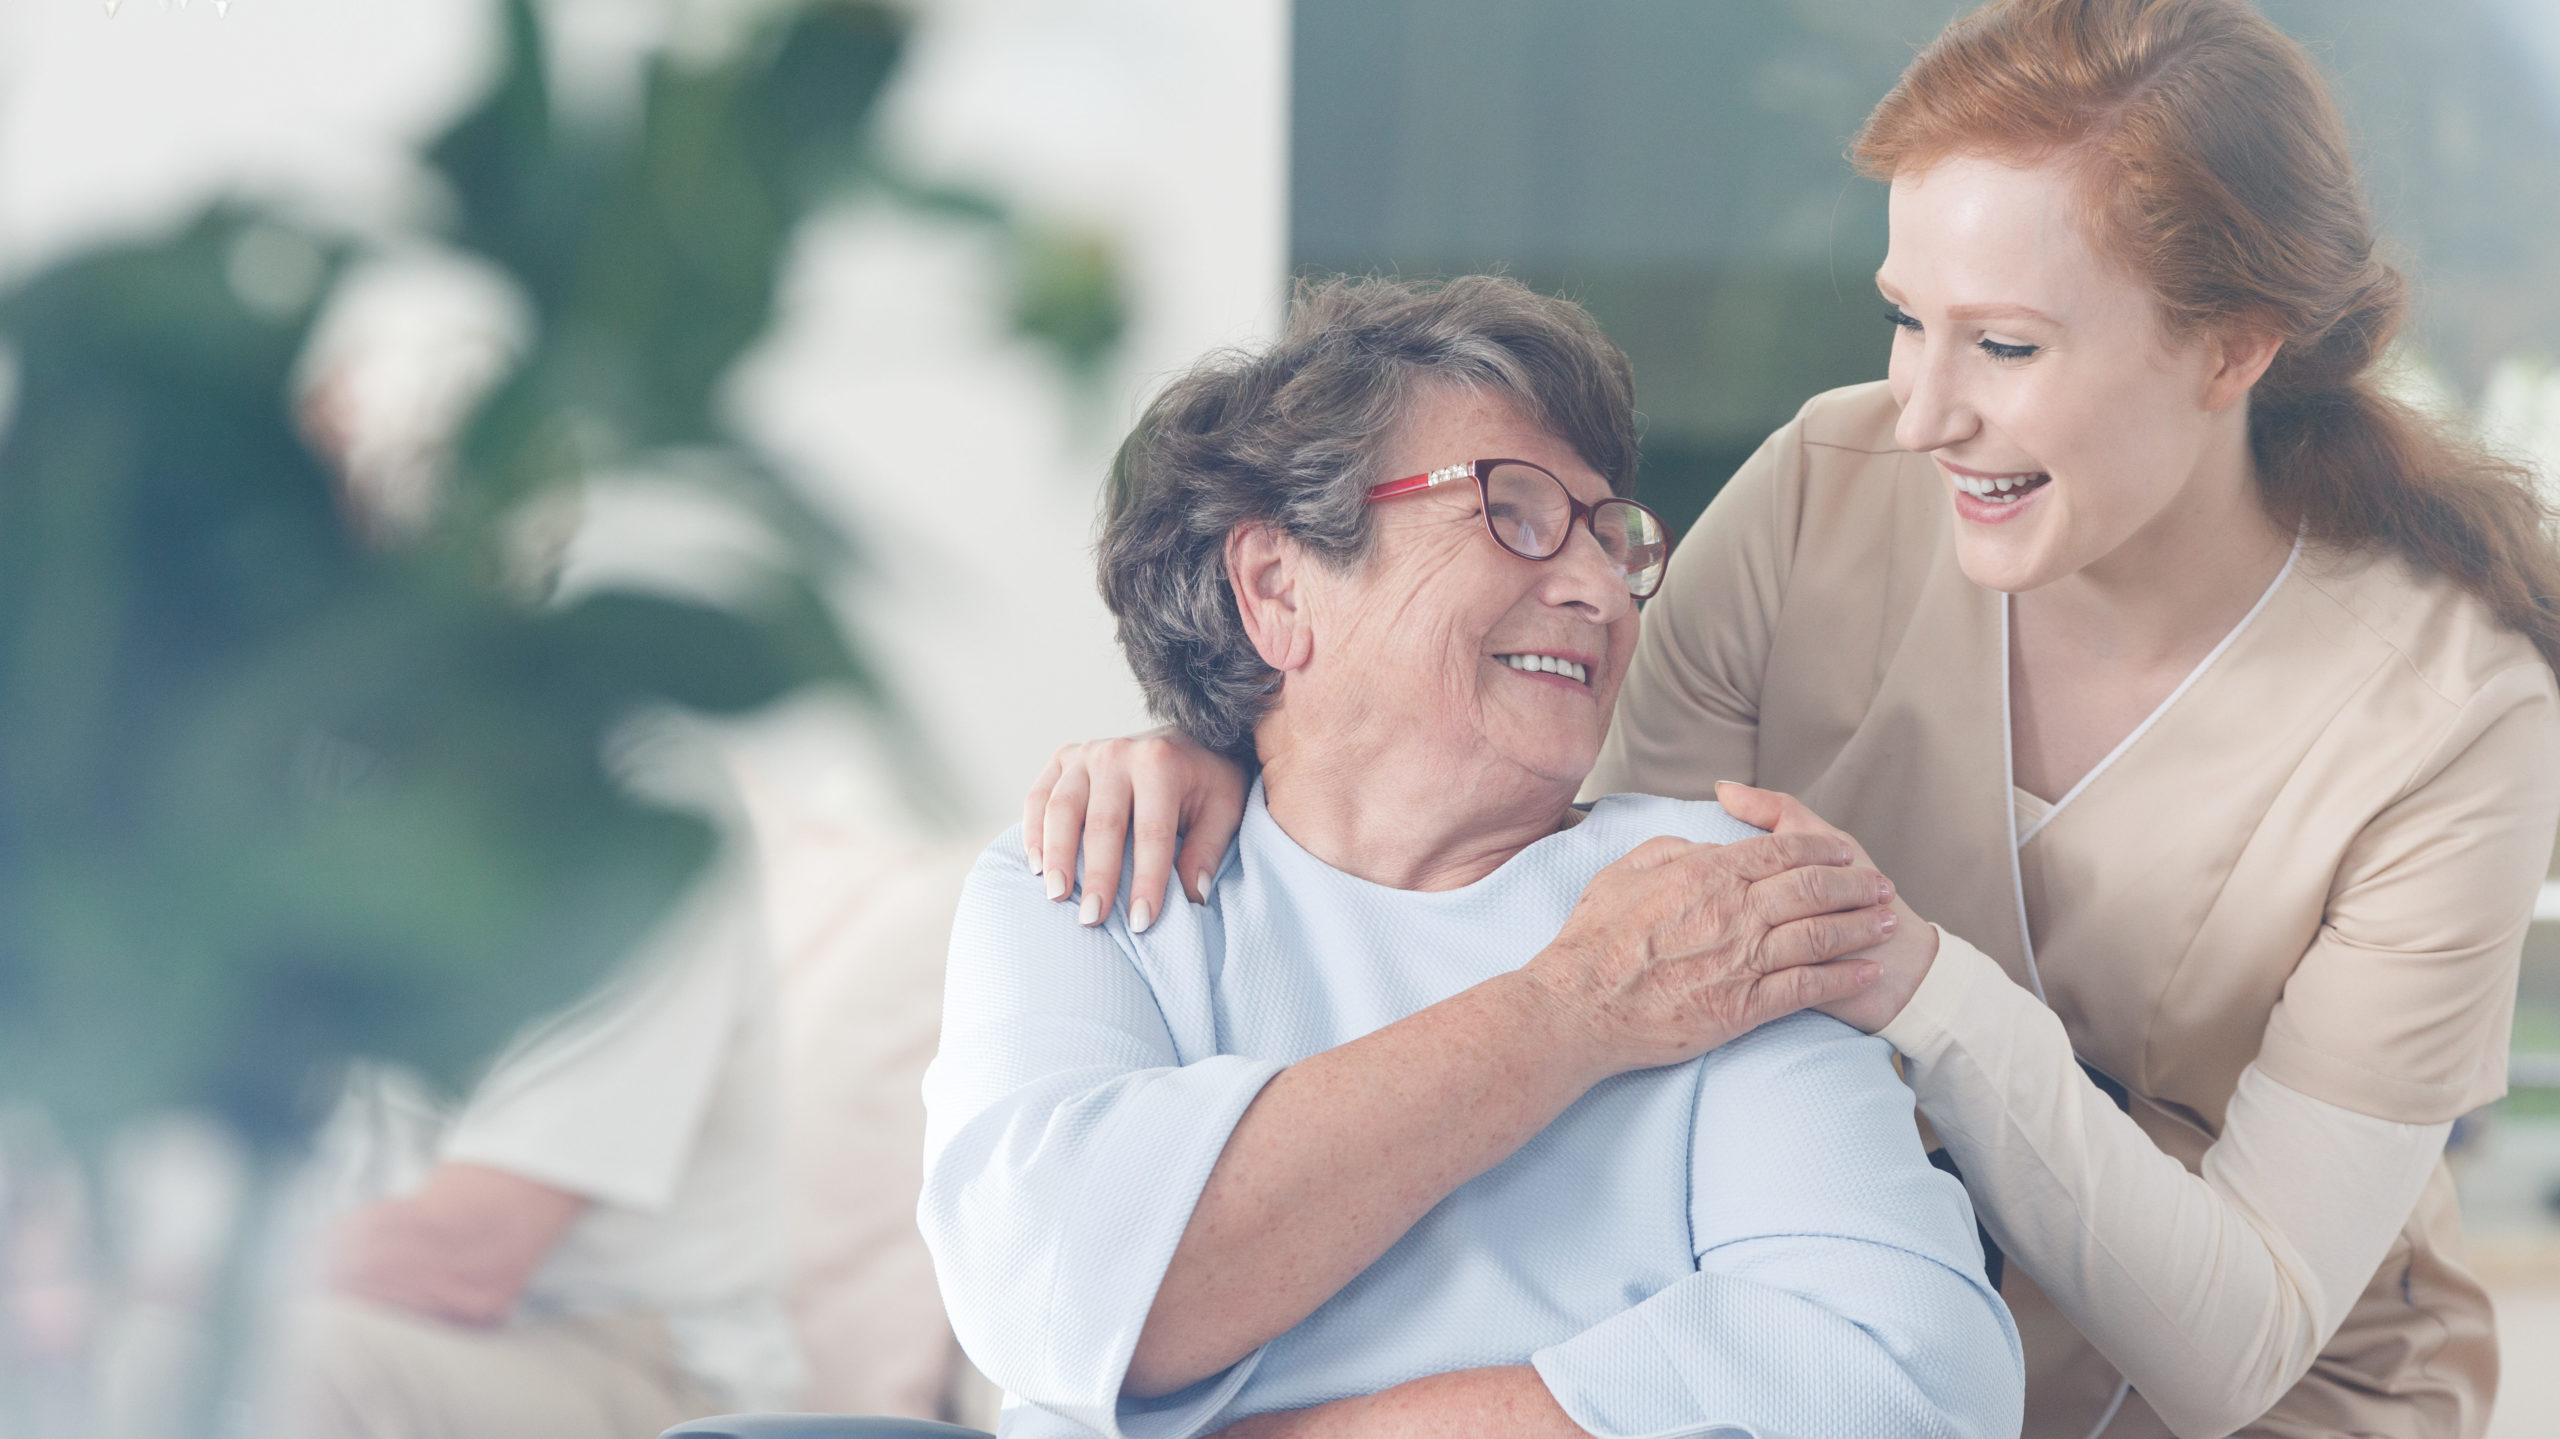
(2206, 1395)
(1949, 1369)
(1152, 1373)
(1174, 1352)
(2226, 1410)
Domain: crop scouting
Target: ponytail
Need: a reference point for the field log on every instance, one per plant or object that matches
(2355, 467)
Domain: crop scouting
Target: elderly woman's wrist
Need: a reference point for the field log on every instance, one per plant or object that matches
(1564, 1029)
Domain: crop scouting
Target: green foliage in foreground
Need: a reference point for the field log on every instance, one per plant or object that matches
(271, 795)
(268, 796)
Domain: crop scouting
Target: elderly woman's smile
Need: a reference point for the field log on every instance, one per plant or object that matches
(1574, 669)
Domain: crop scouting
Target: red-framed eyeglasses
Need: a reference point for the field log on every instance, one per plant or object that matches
(1529, 512)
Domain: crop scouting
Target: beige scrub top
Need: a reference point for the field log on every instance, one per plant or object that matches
(2316, 864)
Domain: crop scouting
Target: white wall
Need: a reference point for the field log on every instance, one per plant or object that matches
(965, 463)
(956, 451)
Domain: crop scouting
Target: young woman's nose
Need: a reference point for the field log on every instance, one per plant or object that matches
(1935, 412)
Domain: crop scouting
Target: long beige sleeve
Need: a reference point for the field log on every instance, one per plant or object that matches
(2212, 1293)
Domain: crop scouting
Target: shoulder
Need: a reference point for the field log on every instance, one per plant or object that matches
(1858, 419)
(1619, 822)
(1847, 430)
(1005, 911)
(1001, 875)
(1809, 1085)
(1846, 502)
(2436, 645)
(1807, 1048)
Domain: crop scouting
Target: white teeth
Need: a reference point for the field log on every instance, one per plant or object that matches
(1547, 664)
(1992, 487)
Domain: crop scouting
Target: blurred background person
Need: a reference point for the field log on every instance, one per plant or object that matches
(591, 1242)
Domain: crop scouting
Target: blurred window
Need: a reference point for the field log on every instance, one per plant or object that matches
(1677, 167)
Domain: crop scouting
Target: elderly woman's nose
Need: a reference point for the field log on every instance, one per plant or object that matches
(1584, 576)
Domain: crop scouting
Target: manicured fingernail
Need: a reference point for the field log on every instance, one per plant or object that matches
(1141, 914)
(1888, 922)
(1057, 886)
(1200, 882)
(1035, 861)
(1090, 911)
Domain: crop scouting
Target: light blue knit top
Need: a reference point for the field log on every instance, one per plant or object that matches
(1747, 1244)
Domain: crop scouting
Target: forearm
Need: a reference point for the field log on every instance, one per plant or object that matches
(1340, 1154)
(461, 1249)
(2212, 1293)
(1510, 1402)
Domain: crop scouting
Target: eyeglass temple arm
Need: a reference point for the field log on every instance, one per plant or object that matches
(1445, 475)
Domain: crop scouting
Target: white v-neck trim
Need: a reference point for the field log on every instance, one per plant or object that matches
(2009, 781)
(2019, 840)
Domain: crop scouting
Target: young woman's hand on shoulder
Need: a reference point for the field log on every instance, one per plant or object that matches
(1157, 789)
(1905, 955)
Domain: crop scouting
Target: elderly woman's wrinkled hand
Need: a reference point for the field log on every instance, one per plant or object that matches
(1678, 947)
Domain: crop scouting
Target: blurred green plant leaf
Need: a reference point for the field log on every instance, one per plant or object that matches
(272, 796)
(269, 797)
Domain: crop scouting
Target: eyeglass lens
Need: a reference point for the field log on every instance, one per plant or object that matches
(1531, 513)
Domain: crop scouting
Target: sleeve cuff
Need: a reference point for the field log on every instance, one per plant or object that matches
(1186, 1412)
(1619, 1381)
(1160, 1144)
(1927, 1024)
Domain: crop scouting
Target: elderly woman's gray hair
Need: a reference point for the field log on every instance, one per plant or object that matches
(1292, 436)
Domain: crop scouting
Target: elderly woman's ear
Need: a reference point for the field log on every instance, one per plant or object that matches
(1265, 571)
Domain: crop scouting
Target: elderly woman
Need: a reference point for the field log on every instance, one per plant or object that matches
(1453, 1108)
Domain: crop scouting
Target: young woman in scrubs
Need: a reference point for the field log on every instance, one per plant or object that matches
(2196, 692)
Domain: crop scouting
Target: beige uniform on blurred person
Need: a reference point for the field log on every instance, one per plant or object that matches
(649, 1114)
(2284, 917)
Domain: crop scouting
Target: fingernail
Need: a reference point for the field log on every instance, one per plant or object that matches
(1035, 861)
(1200, 882)
(1141, 914)
(1091, 910)
(1884, 890)
(1057, 886)
(1888, 922)
(1867, 973)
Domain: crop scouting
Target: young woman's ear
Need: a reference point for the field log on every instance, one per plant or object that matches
(1264, 570)
(2245, 356)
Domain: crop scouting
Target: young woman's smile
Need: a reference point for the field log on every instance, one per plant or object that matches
(1993, 499)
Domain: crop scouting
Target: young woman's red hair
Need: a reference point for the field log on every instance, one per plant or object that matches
(2219, 173)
